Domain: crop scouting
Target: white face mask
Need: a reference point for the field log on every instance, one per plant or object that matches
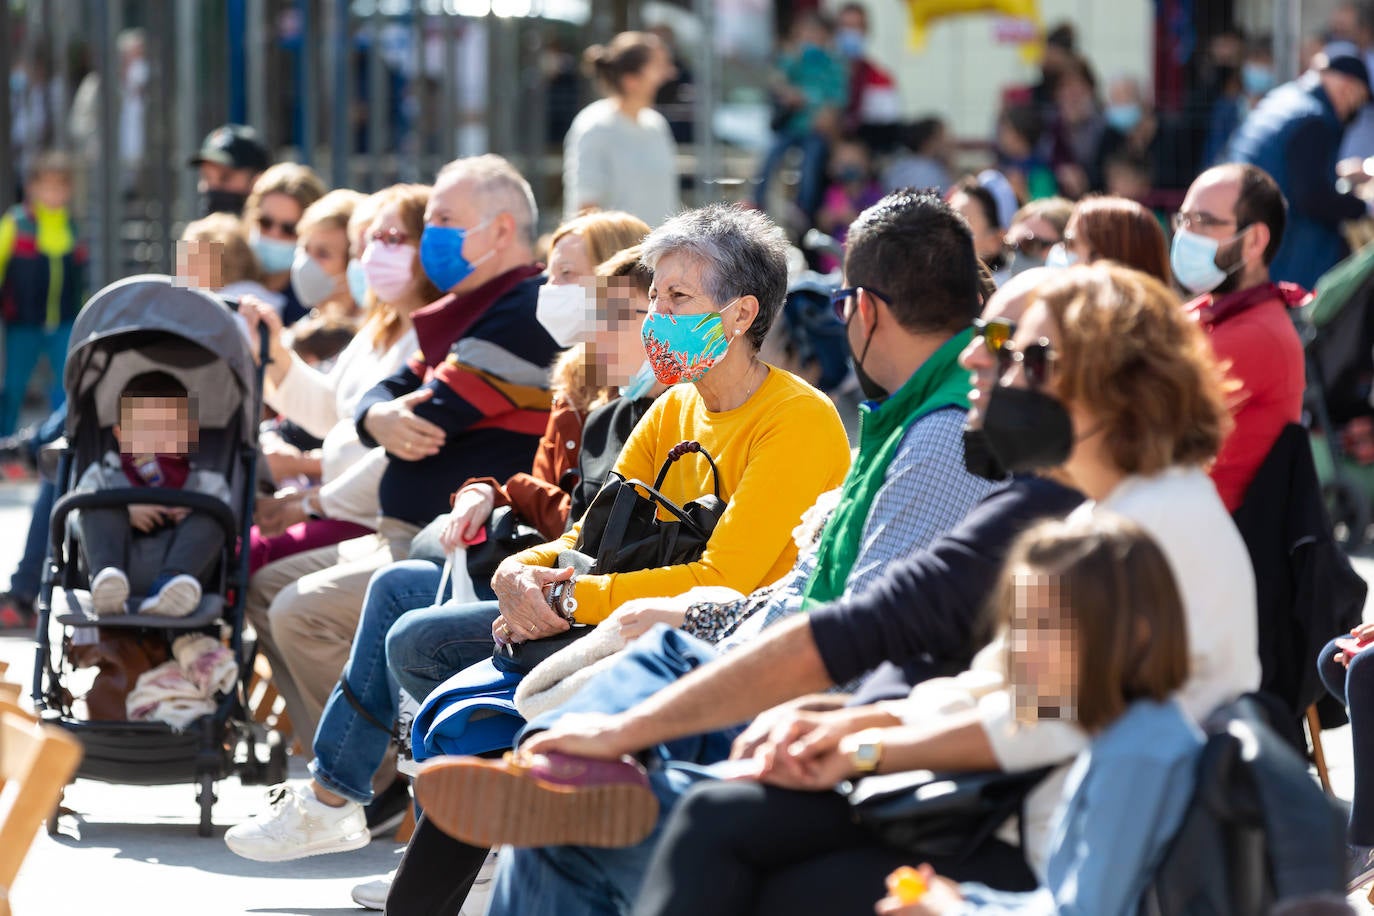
(566, 313)
(310, 281)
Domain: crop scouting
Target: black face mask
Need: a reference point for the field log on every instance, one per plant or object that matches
(871, 389)
(218, 200)
(1027, 430)
(979, 459)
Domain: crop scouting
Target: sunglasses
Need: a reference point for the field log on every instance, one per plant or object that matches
(390, 237)
(1035, 360)
(839, 297)
(1032, 246)
(995, 333)
(267, 224)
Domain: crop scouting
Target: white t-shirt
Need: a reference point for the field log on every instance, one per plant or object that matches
(620, 164)
(1181, 510)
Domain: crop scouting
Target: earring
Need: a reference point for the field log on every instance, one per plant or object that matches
(738, 333)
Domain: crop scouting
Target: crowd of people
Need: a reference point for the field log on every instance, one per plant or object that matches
(548, 543)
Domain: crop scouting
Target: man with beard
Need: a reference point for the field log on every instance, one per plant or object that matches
(1295, 134)
(1226, 236)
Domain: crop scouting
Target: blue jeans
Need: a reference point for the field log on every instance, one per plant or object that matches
(812, 185)
(24, 344)
(576, 881)
(1351, 685)
(28, 575)
(429, 646)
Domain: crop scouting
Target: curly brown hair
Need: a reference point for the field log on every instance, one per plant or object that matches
(1130, 355)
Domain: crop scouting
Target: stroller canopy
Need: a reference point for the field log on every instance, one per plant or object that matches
(152, 323)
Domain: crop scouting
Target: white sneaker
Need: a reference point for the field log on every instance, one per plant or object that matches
(296, 825)
(478, 897)
(371, 895)
(177, 598)
(109, 591)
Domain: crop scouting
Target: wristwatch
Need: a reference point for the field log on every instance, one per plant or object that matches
(868, 751)
(561, 600)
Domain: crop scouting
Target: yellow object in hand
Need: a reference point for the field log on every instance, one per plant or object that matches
(906, 884)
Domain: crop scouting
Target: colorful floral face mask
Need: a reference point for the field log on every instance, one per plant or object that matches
(683, 348)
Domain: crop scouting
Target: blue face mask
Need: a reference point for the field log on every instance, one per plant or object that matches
(1060, 257)
(850, 43)
(1256, 79)
(640, 384)
(441, 254)
(274, 255)
(1194, 260)
(1124, 117)
(357, 282)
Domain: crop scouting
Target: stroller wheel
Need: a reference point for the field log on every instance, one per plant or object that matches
(207, 800)
(1348, 509)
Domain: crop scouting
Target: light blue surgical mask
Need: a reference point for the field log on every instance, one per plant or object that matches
(275, 255)
(441, 254)
(1256, 79)
(1193, 258)
(640, 384)
(1125, 116)
(357, 282)
(1060, 257)
(850, 43)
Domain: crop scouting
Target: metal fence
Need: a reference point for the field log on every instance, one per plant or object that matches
(368, 92)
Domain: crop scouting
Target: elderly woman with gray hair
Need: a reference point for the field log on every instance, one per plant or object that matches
(720, 275)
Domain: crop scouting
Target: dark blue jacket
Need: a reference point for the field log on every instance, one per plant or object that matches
(1295, 135)
(924, 615)
(485, 357)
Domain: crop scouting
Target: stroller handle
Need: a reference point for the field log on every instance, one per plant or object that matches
(124, 497)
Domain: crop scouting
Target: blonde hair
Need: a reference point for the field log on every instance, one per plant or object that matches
(383, 323)
(298, 182)
(605, 232)
(571, 378)
(332, 211)
(1139, 364)
(237, 262)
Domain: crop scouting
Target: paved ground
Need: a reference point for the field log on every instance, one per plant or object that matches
(134, 850)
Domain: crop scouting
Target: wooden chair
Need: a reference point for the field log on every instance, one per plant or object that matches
(1314, 735)
(265, 703)
(38, 759)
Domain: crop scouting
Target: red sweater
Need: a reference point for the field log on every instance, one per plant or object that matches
(1252, 334)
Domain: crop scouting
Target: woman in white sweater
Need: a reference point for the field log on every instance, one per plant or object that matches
(322, 403)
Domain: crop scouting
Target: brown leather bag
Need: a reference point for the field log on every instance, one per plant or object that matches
(120, 657)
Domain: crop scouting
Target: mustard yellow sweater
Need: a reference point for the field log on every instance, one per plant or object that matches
(776, 453)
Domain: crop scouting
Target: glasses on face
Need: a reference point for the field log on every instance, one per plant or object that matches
(1035, 361)
(390, 237)
(1203, 221)
(996, 332)
(840, 297)
(267, 224)
(1032, 246)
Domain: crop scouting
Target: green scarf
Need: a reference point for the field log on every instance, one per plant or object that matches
(939, 383)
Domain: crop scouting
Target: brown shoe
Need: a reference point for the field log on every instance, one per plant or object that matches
(538, 800)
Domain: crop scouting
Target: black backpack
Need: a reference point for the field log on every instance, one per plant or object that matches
(1259, 830)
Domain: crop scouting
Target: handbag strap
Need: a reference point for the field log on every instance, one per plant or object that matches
(444, 577)
(685, 448)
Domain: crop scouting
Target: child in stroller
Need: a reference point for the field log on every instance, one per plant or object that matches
(156, 551)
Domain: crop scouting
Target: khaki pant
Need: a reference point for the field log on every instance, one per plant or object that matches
(305, 609)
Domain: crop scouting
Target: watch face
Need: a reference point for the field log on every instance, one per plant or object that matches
(866, 756)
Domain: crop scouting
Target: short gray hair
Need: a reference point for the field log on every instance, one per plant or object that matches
(742, 253)
(500, 188)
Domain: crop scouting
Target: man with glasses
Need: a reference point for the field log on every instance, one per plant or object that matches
(1228, 232)
(915, 622)
(1295, 134)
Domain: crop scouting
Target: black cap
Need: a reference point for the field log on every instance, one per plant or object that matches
(1341, 61)
(235, 146)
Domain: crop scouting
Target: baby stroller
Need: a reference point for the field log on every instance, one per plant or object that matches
(138, 325)
(1338, 333)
